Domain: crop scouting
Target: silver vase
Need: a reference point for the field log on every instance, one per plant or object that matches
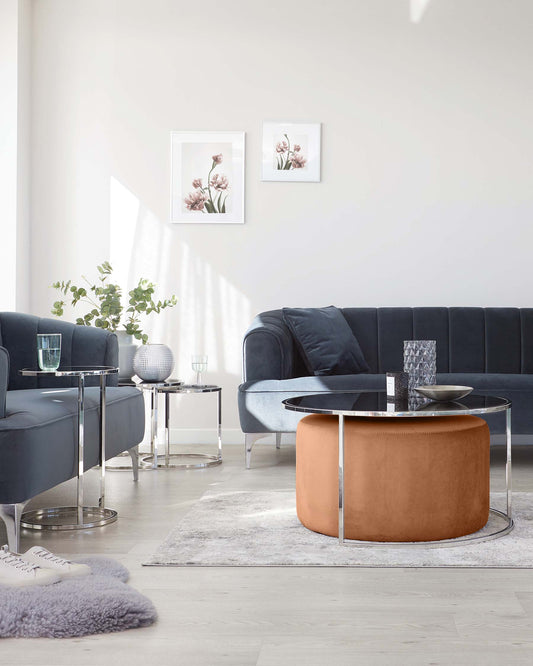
(153, 363)
(126, 352)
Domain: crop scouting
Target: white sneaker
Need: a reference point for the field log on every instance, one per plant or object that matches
(46, 560)
(18, 573)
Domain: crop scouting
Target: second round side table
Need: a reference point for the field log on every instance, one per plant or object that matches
(171, 460)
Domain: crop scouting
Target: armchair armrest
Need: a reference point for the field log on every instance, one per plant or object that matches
(4, 379)
(268, 348)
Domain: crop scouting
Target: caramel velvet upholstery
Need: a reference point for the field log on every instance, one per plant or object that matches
(405, 479)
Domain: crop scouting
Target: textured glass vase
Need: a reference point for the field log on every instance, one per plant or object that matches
(420, 362)
(153, 363)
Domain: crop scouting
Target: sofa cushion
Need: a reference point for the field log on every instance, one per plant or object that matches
(39, 431)
(325, 341)
(261, 409)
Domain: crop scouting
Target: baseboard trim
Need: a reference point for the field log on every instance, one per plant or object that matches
(205, 436)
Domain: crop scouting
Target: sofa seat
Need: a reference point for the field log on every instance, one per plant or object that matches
(261, 409)
(40, 426)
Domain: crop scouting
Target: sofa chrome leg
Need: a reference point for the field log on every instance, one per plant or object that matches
(278, 440)
(250, 438)
(11, 514)
(134, 454)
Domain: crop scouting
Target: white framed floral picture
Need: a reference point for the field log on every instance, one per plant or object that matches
(207, 177)
(291, 151)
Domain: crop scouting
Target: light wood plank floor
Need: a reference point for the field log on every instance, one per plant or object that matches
(282, 616)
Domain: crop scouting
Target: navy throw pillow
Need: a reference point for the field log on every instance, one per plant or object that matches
(325, 340)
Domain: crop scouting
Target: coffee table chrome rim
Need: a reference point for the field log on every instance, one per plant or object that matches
(441, 543)
(402, 414)
(65, 517)
(146, 462)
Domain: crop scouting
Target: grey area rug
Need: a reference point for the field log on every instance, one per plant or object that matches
(262, 529)
(94, 604)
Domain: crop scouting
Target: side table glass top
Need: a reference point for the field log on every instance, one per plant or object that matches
(374, 403)
(71, 371)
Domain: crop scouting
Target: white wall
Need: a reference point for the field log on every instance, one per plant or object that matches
(23, 239)
(426, 194)
(8, 152)
(15, 27)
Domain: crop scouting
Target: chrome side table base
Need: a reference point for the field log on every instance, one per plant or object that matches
(204, 460)
(66, 518)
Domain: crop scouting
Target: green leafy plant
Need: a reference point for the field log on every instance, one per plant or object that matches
(105, 300)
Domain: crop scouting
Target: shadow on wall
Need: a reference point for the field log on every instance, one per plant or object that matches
(211, 315)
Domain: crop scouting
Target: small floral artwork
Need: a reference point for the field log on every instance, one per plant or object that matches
(207, 177)
(289, 157)
(291, 151)
(212, 197)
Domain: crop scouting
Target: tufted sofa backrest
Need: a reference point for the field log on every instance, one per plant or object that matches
(80, 345)
(492, 340)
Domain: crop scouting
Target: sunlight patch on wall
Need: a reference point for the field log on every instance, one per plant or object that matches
(123, 214)
(214, 315)
(211, 315)
(418, 7)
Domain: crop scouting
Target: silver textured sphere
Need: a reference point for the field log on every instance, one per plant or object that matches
(153, 363)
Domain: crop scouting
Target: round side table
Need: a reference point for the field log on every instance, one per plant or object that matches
(122, 462)
(77, 517)
(189, 460)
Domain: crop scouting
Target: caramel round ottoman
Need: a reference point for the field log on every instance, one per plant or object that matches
(405, 479)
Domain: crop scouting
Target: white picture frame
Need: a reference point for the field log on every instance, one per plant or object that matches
(207, 177)
(291, 151)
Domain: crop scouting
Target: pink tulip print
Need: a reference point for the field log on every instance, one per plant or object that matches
(211, 197)
(289, 157)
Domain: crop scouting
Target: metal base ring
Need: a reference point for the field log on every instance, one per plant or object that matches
(66, 518)
(475, 537)
(146, 462)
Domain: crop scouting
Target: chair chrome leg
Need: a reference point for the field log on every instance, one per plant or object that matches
(278, 440)
(11, 514)
(134, 454)
(250, 438)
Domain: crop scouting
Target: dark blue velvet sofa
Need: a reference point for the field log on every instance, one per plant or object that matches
(38, 416)
(490, 349)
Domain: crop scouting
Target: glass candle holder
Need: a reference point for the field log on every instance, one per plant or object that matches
(420, 362)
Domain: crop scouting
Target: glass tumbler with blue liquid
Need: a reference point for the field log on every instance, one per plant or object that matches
(48, 351)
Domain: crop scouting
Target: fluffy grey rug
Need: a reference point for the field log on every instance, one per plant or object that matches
(94, 604)
(261, 529)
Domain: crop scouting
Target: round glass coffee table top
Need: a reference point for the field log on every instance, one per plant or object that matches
(374, 403)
